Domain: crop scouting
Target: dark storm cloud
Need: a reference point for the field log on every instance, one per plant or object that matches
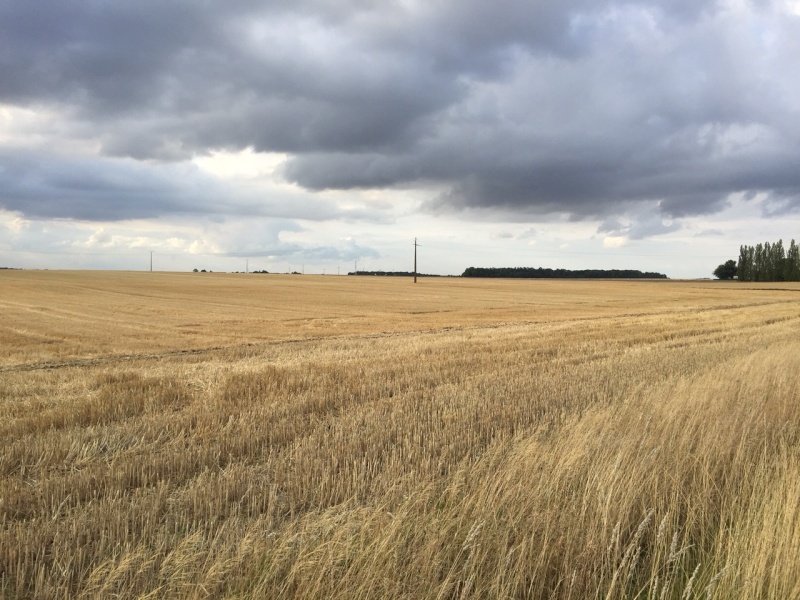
(779, 203)
(82, 189)
(43, 187)
(587, 107)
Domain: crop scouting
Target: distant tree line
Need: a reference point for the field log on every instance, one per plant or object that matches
(391, 274)
(543, 273)
(769, 262)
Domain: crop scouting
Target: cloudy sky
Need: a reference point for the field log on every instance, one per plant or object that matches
(317, 134)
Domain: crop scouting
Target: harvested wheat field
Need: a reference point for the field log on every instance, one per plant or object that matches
(266, 436)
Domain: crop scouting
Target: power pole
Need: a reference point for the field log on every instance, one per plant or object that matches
(416, 245)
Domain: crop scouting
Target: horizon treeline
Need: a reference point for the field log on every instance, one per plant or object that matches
(545, 273)
(391, 274)
(769, 262)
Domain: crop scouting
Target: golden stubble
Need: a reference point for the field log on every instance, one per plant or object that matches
(366, 438)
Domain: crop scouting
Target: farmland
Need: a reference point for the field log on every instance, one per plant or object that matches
(267, 436)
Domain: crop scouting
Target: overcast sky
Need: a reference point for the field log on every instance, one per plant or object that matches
(314, 134)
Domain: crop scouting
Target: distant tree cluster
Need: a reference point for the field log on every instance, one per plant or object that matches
(392, 274)
(726, 270)
(769, 262)
(542, 273)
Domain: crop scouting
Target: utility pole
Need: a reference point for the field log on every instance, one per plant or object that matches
(247, 266)
(151, 261)
(416, 245)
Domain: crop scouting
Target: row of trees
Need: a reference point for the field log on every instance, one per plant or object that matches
(769, 262)
(391, 274)
(544, 273)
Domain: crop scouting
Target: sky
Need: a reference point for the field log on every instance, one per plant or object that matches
(321, 136)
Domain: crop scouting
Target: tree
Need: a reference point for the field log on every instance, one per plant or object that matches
(726, 270)
(792, 268)
(745, 268)
(769, 262)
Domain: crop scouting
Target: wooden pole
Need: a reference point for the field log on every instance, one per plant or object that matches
(415, 260)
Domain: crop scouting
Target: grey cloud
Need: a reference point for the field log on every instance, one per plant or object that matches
(261, 240)
(298, 253)
(97, 54)
(582, 107)
(705, 233)
(781, 202)
(693, 204)
(43, 186)
(348, 252)
(46, 187)
(643, 222)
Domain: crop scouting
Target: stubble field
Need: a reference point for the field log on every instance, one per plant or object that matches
(266, 436)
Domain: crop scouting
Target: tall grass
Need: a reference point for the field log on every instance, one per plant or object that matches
(635, 455)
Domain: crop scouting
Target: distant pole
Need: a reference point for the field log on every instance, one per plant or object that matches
(356, 267)
(151, 261)
(416, 245)
(247, 266)
(337, 271)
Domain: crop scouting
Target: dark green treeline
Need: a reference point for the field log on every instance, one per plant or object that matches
(769, 262)
(541, 273)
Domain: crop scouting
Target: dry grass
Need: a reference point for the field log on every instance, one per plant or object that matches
(364, 438)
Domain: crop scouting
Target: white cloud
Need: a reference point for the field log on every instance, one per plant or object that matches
(614, 241)
(99, 239)
(241, 165)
